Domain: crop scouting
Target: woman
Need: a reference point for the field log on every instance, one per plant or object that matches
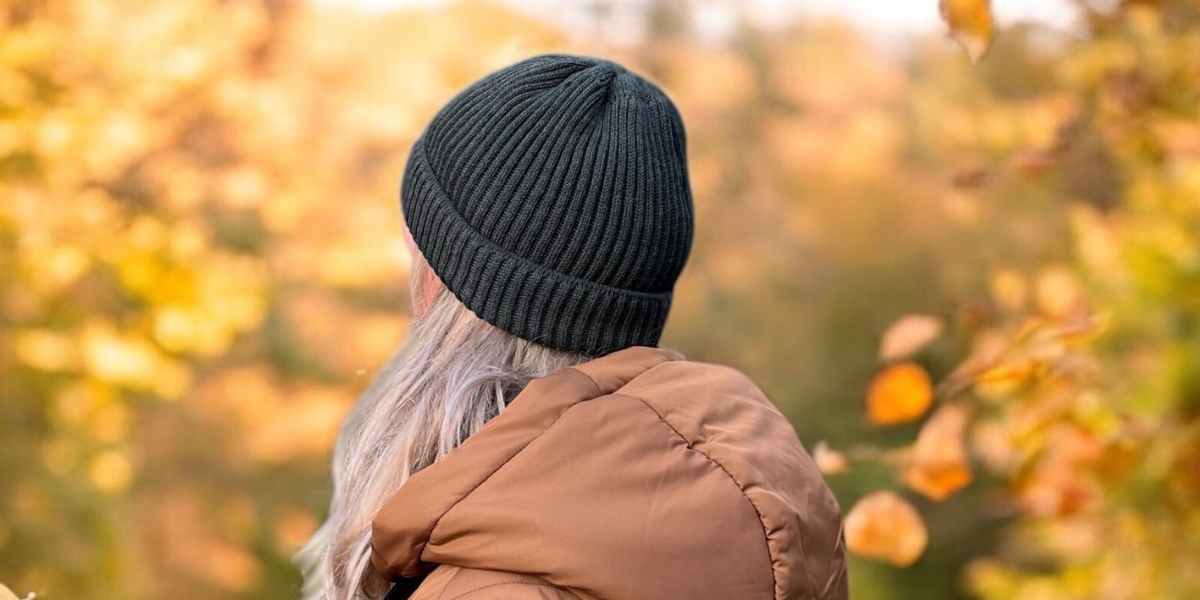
(529, 441)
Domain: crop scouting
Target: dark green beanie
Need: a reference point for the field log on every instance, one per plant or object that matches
(552, 198)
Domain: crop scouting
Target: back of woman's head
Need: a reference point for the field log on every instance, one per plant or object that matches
(551, 214)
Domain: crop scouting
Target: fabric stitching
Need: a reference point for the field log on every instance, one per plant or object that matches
(599, 392)
(691, 446)
(458, 571)
(840, 574)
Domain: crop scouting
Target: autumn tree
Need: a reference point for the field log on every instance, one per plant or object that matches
(1078, 395)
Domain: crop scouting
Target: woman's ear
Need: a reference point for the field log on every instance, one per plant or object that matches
(428, 288)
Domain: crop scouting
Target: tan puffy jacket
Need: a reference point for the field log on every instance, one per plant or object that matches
(630, 477)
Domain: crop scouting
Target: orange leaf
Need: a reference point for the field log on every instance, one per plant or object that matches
(1033, 162)
(907, 335)
(829, 461)
(884, 526)
(939, 465)
(898, 394)
(1057, 484)
(970, 23)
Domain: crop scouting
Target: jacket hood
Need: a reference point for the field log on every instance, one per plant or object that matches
(635, 475)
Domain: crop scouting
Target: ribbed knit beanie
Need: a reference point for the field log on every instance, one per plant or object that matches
(552, 198)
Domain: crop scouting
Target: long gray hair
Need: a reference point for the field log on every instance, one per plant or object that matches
(453, 374)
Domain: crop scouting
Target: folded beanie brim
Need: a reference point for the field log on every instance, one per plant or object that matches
(518, 295)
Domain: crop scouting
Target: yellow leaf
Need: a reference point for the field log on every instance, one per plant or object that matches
(116, 358)
(970, 23)
(939, 465)
(899, 394)
(111, 471)
(1057, 291)
(1005, 379)
(884, 526)
(44, 349)
(907, 335)
(1009, 289)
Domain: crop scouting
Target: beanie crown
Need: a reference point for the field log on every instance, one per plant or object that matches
(552, 198)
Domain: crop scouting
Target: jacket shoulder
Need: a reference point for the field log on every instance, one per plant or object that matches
(727, 417)
(682, 376)
(695, 396)
(449, 582)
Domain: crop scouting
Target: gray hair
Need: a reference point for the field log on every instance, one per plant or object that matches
(453, 374)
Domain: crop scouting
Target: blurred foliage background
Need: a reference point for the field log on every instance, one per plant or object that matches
(977, 284)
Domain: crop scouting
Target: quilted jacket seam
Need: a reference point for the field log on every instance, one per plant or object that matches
(741, 488)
